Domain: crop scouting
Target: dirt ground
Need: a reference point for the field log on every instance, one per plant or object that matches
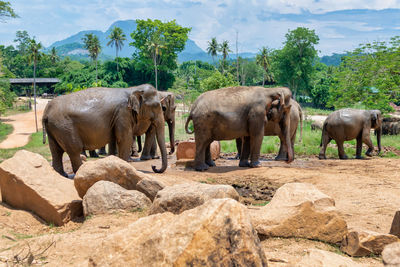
(366, 193)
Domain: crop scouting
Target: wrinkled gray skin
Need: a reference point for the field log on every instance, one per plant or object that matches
(277, 126)
(168, 106)
(90, 119)
(230, 113)
(347, 124)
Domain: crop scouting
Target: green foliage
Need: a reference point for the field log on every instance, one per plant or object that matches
(6, 96)
(294, 63)
(263, 60)
(212, 48)
(6, 11)
(217, 80)
(369, 76)
(322, 81)
(5, 129)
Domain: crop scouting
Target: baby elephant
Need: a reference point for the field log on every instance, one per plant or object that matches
(347, 124)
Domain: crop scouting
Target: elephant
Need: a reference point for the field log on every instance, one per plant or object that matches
(89, 119)
(168, 106)
(275, 126)
(347, 124)
(230, 113)
(316, 125)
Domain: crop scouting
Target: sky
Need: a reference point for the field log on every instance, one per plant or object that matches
(340, 24)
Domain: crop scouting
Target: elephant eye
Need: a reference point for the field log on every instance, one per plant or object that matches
(164, 108)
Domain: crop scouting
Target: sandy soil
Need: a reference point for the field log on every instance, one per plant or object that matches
(24, 126)
(366, 193)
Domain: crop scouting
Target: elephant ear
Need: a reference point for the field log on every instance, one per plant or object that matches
(374, 119)
(135, 101)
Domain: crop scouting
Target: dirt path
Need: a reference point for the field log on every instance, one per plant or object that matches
(24, 126)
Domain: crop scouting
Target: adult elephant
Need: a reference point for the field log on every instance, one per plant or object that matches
(230, 113)
(168, 107)
(347, 124)
(91, 118)
(276, 126)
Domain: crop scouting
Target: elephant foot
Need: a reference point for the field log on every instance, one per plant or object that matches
(145, 157)
(244, 164)
(369, 153)
(130, 159)
(322, 156)
(93, 154)
(281, 158)
(135, 154)
(359, 157)
(155, 157)
(237, 156)
(255, 164)
(343, 157)
(210, 163)
(102, 152)
(201, 167)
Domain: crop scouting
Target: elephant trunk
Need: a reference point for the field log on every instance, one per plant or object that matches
(378, 138)
(287, 137)
(171, 127)
(160, 132)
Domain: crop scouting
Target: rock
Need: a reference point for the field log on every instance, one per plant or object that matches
(67, 163)
(364, 243)
(187, 150)
(28, 182)
(218, 233)
(391, 255)
(299, 210)
(395, 228)
(317, 257)
(181, 197)
(105, 197)
(150, 187)
(111, 169)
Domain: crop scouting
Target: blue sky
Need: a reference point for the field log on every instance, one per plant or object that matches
(341, 25)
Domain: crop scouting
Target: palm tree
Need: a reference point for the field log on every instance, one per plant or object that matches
(224, 49)
(34, 55)
(117, 38)
(53, 55)
(212, 48)
(263, 60)
(155, 45)
(92, 44)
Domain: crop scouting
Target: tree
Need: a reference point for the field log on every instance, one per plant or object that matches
(263, 60)
(6, 11)
(158, 44)
(53, 55)
(224, 49)
(212, 48)
(294, 64)
(34, 56)
(23, 41)
(117, 38)
(92, 44)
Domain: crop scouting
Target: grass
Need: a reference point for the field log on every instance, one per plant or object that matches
(16, 110)
(5, 129)
(315, 111)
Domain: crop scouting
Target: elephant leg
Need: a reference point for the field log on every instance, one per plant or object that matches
(238, 147)
(112, 147)
(84, 153)
(244, 157)
(93, 154)
(366, 138)
(148, 142)
(342, 155)
(359, 147)
(200, 157)
(134, 149)
(124, 139)
(325, 141)
(56, 154)
(153, 149)
(255, 148)
(209, 160)
(76, 161)
(102, 151)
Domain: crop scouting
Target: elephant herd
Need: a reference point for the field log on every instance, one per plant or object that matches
(92, 118)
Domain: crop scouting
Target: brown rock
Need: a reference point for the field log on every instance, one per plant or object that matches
(391, 255)
(364, 243)
(300, 210)
(395, 228)
(111, 169)
(28, 182)
(150, 187)
(218, 233)
(67, 163)
(317, 257)
(187, 150)
(105, 197)
(181, 197)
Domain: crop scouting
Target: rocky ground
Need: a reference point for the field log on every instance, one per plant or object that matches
(366, 193)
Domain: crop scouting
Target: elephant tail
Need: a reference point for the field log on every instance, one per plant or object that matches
(187, 123)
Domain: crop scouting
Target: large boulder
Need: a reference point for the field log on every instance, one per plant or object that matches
(300, 210)
(28, 182)
(181, 197)
(317, 257)
(364, 243)
(111, 169)
(187, 150)
(391, 255)
(218, 233)
(395, 228)
(105, 197)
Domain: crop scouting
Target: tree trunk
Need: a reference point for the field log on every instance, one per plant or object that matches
(34, 91)
(263, 79)
(155, 70)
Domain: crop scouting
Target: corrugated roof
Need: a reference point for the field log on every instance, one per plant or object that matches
(38, 80)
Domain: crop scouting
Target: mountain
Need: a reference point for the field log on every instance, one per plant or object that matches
(333, 60)
(73, 45)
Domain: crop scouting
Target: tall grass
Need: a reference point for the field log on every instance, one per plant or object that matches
(5, 129)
